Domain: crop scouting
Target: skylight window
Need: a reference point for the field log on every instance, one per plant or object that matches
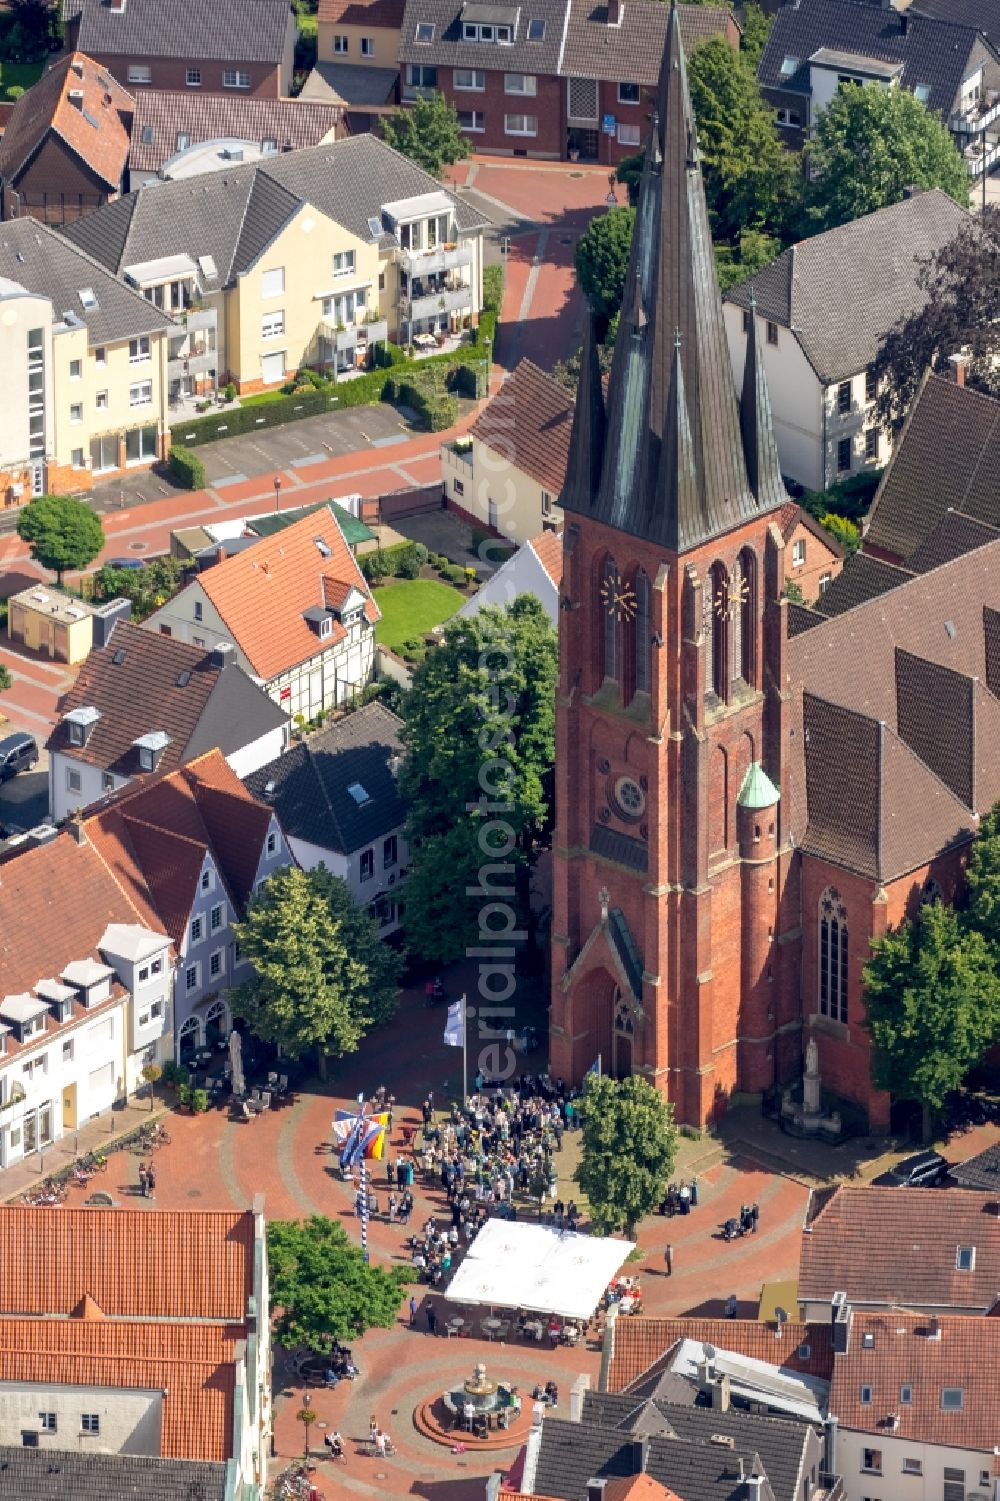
(952, 1399)
(323, 547)
(965, 1259)
(119, 656)
(788, 66)
(147, 135)
(922, 92)
(536, 29)
(184, 678)
(206, 264)
(88, 299)
(375, 228)
(424, 31)
(359, 794)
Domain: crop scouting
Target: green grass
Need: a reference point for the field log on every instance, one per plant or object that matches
(19, 75)
(412, 607)
(261, 399)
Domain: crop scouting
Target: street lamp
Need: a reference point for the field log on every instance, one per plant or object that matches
(277, 492)
(486, 372)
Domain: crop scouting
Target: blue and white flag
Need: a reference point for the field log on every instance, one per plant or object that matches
(454, 1032)
(595, 1067)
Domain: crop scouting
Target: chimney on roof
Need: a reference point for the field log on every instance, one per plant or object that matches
(754, 1487)
(933, 1327)
(958, 364)
(615, 8)
(77, 67)
(841, 1315)
(75, 827)
(76, 99)
(640, 1456)
(595, 1489)
(721, 1394)
(223, 654)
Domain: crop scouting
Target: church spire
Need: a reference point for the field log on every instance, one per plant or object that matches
(674, 468)
(759, 447)
(586, 444)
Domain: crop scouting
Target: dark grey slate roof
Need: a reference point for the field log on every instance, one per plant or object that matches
(351, 85)
(981, 1171)
(310, 783)
(954, 535)
(933, 53)
(570, 1454)
(780, 1442)
(59, 1475)
(841, 291)
(630, 51)
(621, 848)
(626, 948)
(862, 577)
(233, 215)
(229, 31)
(44, 262)
(447, 46)
(984, 15)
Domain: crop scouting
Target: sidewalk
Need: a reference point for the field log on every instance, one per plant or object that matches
(98, 1135)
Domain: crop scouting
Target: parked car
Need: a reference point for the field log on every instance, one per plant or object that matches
(17, 753)
(124, 563)
(924, 1169)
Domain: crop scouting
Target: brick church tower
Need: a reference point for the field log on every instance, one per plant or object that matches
(670, 956)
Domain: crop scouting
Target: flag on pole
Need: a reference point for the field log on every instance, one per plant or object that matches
(595, 1067)
(454, 1032)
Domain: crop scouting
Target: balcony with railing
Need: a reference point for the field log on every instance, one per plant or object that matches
(981, 155)
(978, 116)
(449, 257)
(448, 300)
(193, 349)
(829, 1488)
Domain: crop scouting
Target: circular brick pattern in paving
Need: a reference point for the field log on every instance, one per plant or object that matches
(138, 546)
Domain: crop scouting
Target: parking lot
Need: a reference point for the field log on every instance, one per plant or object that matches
(24, 800)
(296, 446)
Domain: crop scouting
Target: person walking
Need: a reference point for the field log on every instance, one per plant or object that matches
(413, 1311)
(731, 1306)
(151, 1182)
(694, 1193)
(372, 1430)
(754, 1217)
(142, 1180)
(432, 1319)
(684, 1194)
(668, 1257)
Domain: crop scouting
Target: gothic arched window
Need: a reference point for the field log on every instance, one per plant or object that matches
(641, 632)
(832, 956)
(745, 617)
(719, 594)
(607, 592)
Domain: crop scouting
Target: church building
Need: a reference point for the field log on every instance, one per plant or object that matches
(743, 800)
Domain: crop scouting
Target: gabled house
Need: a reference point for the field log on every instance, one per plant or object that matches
(822, 309)
(169, 127)
(296, 609)
(336, 797)
(144, 1349)
(508, 471)
(212, 45)
(191, 848)
(536, 568)
(302, 258)
(357, 51)
(562, 79)
(815, 558)
(65, 147)
(816, 46)
(140, 684)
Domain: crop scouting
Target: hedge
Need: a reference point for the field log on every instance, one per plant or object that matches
(493, 289)
(186, 468)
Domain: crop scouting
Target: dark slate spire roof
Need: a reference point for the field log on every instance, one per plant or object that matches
(760, 449)
(586, 444)
(674, 470)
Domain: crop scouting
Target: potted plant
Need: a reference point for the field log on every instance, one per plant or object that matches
(185, 1098)
(199, 1101)
(174, 1074)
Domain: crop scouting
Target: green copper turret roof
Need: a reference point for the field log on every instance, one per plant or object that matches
(758, 791)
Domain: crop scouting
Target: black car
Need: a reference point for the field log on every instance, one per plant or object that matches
(924, 1169)
(17, 753)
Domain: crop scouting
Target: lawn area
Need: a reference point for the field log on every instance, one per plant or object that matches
(412, 607)
(19, 75)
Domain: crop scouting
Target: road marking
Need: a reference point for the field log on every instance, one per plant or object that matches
(228, 479)
(310, 458)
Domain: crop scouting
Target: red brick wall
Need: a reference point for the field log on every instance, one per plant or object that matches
(56, 186)
(169, 73)
(819, 560)
(494, 104)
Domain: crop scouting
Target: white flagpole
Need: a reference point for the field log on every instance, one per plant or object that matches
(465, 1050)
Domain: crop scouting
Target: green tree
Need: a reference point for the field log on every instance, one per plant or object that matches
(982, 879)
(63, 532)
(932, 996)
(601, 259)
(962, 313)
(321, 1286)
(428, 133)
(629, 172)
(752, 252)
(322, 975)
(35, 30)
(6, 681)
(628, 1149)
(845, 532)
(148, 588)
(869, 145)
(756, 30)
(479, 733)
(750, 179)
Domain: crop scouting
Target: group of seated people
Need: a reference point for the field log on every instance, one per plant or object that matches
(341, 1365)
(432, 1252)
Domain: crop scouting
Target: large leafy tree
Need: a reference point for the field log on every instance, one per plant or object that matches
(148, 588)
(601, 259)
(962, 313)
(749, 176)
(982, 878)
(321, 1286)
(428, 133)
(870, 145)
(64, 533)
(479, 733)
(628, 1151)
(932, 995)
(322, 975)
(6, 681)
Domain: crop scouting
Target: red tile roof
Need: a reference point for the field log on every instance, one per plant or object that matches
(641, 1342)
(899, 1246)
(548, 549)
(638, 1488)
(134, 1264)
(385, 13)
(194, 1365)
(965, 1355)
(261, 593)
(529, 421)
(94, 131)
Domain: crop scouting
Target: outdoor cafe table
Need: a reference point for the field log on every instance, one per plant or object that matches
(492, 1326)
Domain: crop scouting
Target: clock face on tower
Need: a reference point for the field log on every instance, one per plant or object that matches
(618, 597)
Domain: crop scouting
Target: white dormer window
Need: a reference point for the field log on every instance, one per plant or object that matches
(88, 299)
(325, 627)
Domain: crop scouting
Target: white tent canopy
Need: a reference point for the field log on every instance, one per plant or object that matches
(512, 1265)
